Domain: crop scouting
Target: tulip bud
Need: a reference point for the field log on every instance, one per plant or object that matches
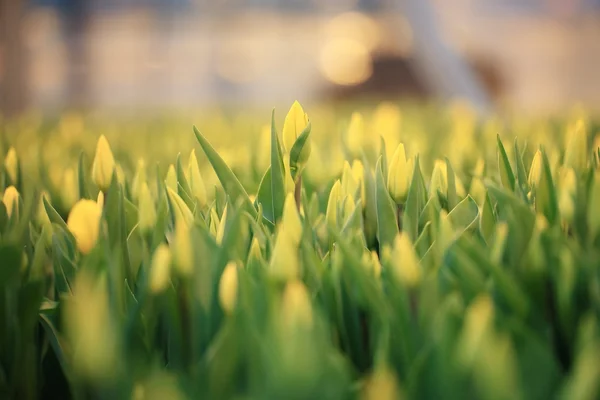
(295, 122)
(171, 178)
(291, 219)
(332, 204)
(382, 385)
(372, 264)
(398, 178)
(214, 222)
(10, 198)
(478, 321)
(11, 164)
(228, 288)
(355, 136)
(183, 252)
(160, 269)
(284, 259)
(535, 171)
(358, 173)
(84, 224)
(180, 210)
(146, 209)
(70, 191)
(41, 215)
(138, 179)
(349, 184)
(255, 252)
(296, 306)
(439, 179)
(103, 165)
(405, 261)
(567, 188)
(196, 181)
(348, 206)
(576, 153)
(221, 227)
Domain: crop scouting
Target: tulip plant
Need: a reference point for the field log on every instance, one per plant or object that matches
(415, 255)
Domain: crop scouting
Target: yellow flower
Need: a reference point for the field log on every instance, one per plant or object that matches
(179, 208)
(382, 385)
(183, 252)
(349, 184)
(196, 181)
(439, 179)
(221, 227)
(567, 188)
(228, 288)
(160, 269)
(358, 172)
(576, 151)
(332, 204)
(138, 179)
(535, 171)
(355, 136)
(405, 261)
(478, 321)
(103, 165)
(10, 198)
(69, 191)
(171, 179)
(84, 224)
(255, 252)
(296, 306)
(284, 263)
(398, 178)
(291, 219)
(146, 210)
(11, 163)
(295, 122)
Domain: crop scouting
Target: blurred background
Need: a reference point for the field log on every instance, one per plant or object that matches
(135, 55)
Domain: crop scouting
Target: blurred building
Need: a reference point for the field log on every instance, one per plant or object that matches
(126, 54)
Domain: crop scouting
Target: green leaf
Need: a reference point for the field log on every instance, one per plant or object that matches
(545, 194)
(464, 215)
(297, 150)
(506, 174)
(53, 215)
(183, 187)
(387, 225)
(415, 202)
(521, 171)
(84, 193)
(230, 182)
(11, 264)
(265, 196)
(383, 156)
(277, 172)
(487, 222)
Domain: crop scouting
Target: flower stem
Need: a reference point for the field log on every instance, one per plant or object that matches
(298, 192)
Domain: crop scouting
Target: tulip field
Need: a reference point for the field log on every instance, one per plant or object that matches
(378, 252)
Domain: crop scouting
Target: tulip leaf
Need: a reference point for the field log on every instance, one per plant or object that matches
(53, 215)
(387, 222)
(545, 194)
(464, 215)
(487, 221)
(84, 193)
(506, 174)
(11, 264)
(230, 182)
(415, 202)
(296, 150)
(264, 196)
(521, 171)
(383, 156)
(277, 172)
(183, 187)
(370, 221)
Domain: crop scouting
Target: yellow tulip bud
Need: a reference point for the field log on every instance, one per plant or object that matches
(146, 209)
(332, 204)
(70, 191)
(295, 122)
(567, 188)
(171, 178)
(84, 224)
(214, 221)
(349, 184)
(398, 178)
(284, 263)
(100, 200)
(296, 306)
(479, 318)
(221, 227)
(291, 219)
(576, 151)
(179, 208)
(439, 179)
(255, 253)
(103, 165)
(358, 173)
(355, 136)
(10, 198)
(375, 264)
(11, 164)
(382, 385)
(535, 171)
(138, 179)
(41, 215)
(183, 252)
(196, 181)
(160, 269)
(228, 288)
(90, 329)
(405, 261)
